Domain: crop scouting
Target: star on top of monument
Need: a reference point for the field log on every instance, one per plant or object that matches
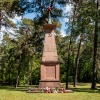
(49, 9)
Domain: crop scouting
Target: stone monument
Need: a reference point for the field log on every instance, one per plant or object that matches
(49, 70)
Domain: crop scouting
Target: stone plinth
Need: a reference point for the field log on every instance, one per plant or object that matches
(49, 64)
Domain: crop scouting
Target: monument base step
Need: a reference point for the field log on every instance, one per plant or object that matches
(52, 90)
(49, 83)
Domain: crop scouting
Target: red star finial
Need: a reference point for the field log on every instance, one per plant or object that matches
(49, 9)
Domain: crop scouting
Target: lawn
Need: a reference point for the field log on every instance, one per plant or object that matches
(82, 92)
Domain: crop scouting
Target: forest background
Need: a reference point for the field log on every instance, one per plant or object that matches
(22, 44)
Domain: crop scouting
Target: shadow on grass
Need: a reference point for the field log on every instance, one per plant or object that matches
(86, 90)
(25, 88)
(84, 87)
(98, 86)
(12, 88)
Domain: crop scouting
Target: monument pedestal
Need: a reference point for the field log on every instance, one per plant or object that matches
(49, 64)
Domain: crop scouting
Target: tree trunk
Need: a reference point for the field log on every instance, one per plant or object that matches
(9, 72)
(77, 60)
(19, 68)
(94, 78)
(68, 62)
(71, 39)
(9, 76)
(67, 70)
(31, 76)
(17, 80)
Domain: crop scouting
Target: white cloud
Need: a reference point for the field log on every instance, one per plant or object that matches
(68, 11)
(10, 30)
(63, 33)
(1, 33)
(68, 8)
(17, 19)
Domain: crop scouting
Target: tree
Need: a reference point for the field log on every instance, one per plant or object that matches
(94, 80)
(8, 10)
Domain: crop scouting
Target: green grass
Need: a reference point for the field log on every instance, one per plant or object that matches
(82, 92)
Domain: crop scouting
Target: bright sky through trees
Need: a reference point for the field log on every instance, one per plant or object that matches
(16, 20)
(66, 9)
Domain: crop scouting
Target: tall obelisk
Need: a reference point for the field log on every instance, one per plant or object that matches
(50, 71)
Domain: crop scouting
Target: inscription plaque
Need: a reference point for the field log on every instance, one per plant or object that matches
(50, 71)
